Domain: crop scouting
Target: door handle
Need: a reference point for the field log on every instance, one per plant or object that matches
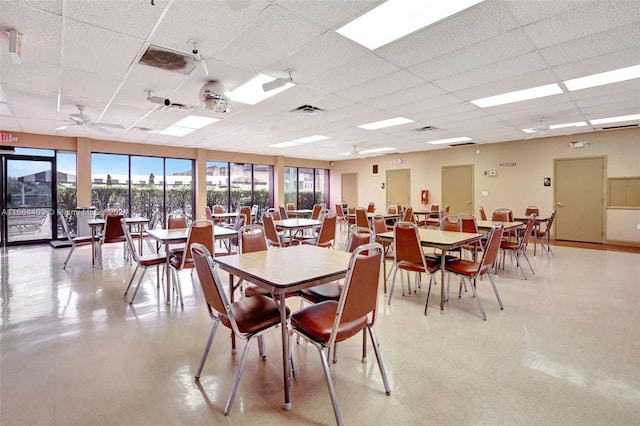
(560, 204)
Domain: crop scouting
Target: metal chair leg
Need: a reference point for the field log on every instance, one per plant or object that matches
(207, 347)
(236, 381)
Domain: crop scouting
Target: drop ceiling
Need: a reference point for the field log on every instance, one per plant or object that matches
(87, 53)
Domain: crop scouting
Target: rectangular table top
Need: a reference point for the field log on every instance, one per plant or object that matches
(439, 239)
(179, 235)
(296, 223)
(280, 270)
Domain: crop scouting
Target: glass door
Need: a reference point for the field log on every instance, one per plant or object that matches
(27, 203)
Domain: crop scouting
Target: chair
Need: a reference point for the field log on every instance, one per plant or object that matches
(342, 219)
(329, 322)
(253, 238)
(544, 236)
(504, 215)
(470, 225)
(483, 214)
(218, 209)
(274, 238)
(233, 242)
(451, 223)
(289, 208)
(246, 211)
(519, 248)
(371, 207)
(472, 270)
(248, 318)
(327, 234)
(254, 213)
(143, 262)
(176, 222)
(407, 216)
(207, 212)
(410, 258)
(75, 241)
(201, 232)
(531, 210)
(361, 218)
(351, 210)
(112, 232)
(284, 214)
(331, 291)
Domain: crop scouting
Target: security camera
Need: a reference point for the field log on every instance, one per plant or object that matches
(157, 99)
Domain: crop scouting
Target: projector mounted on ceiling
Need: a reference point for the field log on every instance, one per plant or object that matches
(278, 82)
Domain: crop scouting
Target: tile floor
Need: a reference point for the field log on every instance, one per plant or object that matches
(565, 351)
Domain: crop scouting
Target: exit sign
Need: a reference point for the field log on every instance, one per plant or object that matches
(7, 137)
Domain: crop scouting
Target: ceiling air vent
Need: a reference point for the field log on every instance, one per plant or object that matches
(624, 126)
(307, 109)
(167, 59)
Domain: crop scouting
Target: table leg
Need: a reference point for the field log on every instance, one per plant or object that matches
(442, 290)
(231, 300)
(286, 370)
(168, 268)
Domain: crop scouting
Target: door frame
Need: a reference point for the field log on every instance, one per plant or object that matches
(4, 231)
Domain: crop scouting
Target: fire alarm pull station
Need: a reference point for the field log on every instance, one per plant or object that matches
(424, 196)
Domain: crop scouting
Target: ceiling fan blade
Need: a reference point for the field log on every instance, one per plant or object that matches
(99, 129)
(113, 126)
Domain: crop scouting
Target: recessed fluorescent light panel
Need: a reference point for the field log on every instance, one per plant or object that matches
(396, 18)
(559, 126)
(450, 140)
(301, 141)
(519, 95)
(385, 123)
(188, 125)
(615, 119)
(251, 92)
(603, 78)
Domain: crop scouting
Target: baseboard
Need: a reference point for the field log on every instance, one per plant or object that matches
(623, 243)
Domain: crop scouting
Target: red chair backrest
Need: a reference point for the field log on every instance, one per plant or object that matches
(494, 238)
(407, 242)
(361, 218)
(327, 231)
(358, 237)
(252, 238)
(113, 231)
(360, 291)
(175, 222)
(451, 223)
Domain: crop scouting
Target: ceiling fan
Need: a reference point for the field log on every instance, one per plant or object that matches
(81, 119)
(540, 129)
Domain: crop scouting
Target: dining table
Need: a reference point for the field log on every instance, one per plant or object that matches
(443, 240)
(294, 225)
(179, 236)
(539, 221)
(279, 272)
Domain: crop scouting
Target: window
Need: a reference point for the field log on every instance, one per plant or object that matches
(305, 187)
(164, 185)
(235, 185)
(67, 195)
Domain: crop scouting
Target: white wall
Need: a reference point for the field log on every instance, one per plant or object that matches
(514, 187)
